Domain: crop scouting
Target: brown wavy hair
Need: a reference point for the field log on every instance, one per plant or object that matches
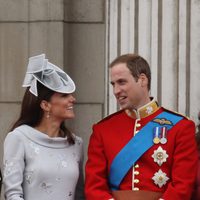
(31, 113)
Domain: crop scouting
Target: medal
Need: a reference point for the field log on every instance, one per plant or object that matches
(156, 138)
(163, 139)
(160, 178)
(160, 156)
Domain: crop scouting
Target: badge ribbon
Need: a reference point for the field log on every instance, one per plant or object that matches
(160, 135)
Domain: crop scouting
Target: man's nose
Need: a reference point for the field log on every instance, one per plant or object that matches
(116, 90)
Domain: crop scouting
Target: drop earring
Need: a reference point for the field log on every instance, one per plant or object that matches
(48, 115)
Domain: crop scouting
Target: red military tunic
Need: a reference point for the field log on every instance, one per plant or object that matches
(196, 195)
(114, 132)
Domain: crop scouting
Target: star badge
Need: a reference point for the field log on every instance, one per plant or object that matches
(160, 156)
(160, 178)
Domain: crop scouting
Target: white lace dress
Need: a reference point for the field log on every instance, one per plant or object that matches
(37, 167)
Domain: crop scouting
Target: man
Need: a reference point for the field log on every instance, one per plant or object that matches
(143, 147)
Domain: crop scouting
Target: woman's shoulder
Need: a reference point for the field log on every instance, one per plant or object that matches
(79, 146)
(15, 139)
(17, 133)
(78, 139)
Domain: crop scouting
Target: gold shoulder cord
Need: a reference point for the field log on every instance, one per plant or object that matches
(177, 113)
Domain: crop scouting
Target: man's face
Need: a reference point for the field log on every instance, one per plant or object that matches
(128, 92)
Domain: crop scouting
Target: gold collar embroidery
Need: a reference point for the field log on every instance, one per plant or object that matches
(143, 111)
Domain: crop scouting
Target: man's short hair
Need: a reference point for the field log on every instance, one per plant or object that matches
(136, 64)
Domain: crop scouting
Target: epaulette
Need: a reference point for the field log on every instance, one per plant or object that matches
(177, 113)
(110, 116)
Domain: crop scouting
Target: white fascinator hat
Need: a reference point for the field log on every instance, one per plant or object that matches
(51, 76)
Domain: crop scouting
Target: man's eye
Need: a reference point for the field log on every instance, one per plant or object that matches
(122, 82)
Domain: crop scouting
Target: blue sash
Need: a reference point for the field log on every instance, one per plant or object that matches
(136, 147)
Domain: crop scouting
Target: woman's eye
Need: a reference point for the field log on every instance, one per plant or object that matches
(64, 95)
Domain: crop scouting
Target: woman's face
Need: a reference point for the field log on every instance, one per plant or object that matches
(61, 106)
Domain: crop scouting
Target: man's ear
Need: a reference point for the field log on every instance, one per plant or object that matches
(45, 105)
(143, 80)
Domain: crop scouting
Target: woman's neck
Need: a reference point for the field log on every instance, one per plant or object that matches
(52, 129)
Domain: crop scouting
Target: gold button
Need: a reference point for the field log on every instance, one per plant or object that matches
(136, 181)
(135, 189)
(136, 166)
(136, 172)
(138, 125)
(136, 131)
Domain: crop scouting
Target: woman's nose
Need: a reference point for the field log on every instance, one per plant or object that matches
(72, 98)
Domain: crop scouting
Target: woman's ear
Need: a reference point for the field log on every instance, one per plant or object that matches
(45, 105)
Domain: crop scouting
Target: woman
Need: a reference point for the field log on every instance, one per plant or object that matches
(42, 158)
